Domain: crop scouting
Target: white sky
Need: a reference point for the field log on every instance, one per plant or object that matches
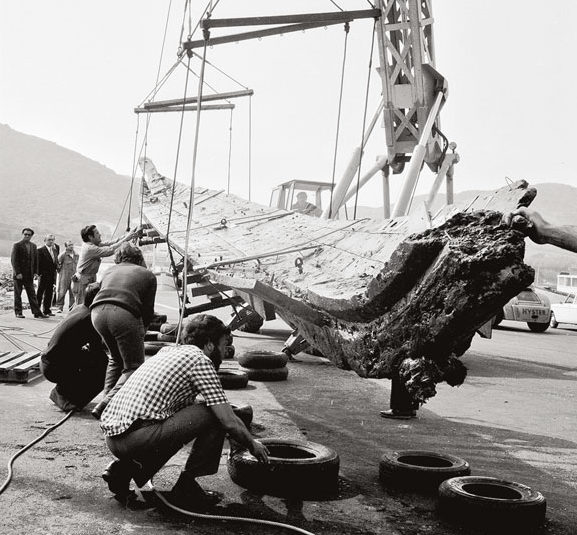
(72, 71)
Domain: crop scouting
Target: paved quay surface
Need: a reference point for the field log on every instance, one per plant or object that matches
(513, 419)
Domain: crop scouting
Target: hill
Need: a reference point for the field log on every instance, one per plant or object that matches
(53, 189)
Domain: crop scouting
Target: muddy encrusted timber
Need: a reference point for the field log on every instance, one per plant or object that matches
(404, 295)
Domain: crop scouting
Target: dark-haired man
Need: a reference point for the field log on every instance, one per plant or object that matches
(24, 260)
(92, 252)
(156, 412)
(75, 358)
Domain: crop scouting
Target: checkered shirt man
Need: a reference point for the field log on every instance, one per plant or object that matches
(163, 385)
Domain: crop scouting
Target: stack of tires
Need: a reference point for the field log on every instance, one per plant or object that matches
(493, 504)
(159, 334)
(261, 365)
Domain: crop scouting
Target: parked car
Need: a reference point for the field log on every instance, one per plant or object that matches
(565, 312)
(530, 307)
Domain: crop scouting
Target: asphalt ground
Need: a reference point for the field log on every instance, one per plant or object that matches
(513, 419)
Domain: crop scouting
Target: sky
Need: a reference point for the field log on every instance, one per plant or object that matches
(72, 72)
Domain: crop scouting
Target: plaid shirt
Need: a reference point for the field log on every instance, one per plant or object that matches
(164, 384)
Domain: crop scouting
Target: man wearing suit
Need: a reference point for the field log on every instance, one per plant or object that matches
(47, 264)
(24, 266)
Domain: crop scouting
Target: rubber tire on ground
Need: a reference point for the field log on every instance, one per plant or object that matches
(169, 328)
(232, 379)
(253, 325)
(151, 336)
(313, 477)
(427, 472)
(258, 359)
(504, 514)
(537, 327)
(166, 337)
(267, 374)
(159, 318)
(244, 412)
(152, 348)
(553, 322)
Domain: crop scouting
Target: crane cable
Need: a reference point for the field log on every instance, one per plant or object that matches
(192, 184)
(347, 27)
(364, 119)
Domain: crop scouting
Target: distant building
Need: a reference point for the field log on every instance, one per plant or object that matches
(566, 283)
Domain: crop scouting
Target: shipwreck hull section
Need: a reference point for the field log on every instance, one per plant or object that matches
(369, 295)
(429, 300)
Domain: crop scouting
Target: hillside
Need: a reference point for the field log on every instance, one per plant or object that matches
(53, 189)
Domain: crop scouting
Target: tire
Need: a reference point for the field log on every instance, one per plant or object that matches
(151, 336)
(498, 318)
(152, 348)
(502, 506)
(267, 374)
(166, 338)
(553, 322)
(423, 470)
(244, 412)
(297, 469)
(169, 328)
(232, 379)
(159, 318)
(253, 325)
(537, 327)
(263, 359)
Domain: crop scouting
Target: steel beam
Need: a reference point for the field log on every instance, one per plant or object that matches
(338, 16)
(192, 100)
(185, 108)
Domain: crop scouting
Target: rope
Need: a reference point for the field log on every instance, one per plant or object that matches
(134, 164)
(229, 154)
(347, 27)
(249, 146)
(364, 120)
(336, 5)
(27, 447)
(192, 184)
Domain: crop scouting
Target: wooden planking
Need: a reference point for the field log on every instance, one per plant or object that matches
(19, 367)
(348, 254)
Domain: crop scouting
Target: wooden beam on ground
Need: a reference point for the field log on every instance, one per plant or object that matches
(192, 100)
(338, 16)
(169, 109)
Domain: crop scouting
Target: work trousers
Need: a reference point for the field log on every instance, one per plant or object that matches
(401, 400)
(79, 376)
(28, 285)
(46, 291)
(79, 287)
(123, 333)
(152, 443)
(65, 287)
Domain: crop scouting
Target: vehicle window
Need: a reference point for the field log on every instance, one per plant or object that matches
(528, 295)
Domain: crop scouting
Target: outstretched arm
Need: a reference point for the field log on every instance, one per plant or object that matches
(541, 231)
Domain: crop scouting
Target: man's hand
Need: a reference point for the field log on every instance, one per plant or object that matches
(537, 228)
(19, 276)
(259, 450)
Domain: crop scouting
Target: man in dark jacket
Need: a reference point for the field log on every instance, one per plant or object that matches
(25, 267)
(75, 358)
(47, 264)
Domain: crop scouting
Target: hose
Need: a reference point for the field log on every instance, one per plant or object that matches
(151, 485)
(27, 447)
(226, 518)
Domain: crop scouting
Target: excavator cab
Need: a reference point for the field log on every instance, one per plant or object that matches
(286, 195)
